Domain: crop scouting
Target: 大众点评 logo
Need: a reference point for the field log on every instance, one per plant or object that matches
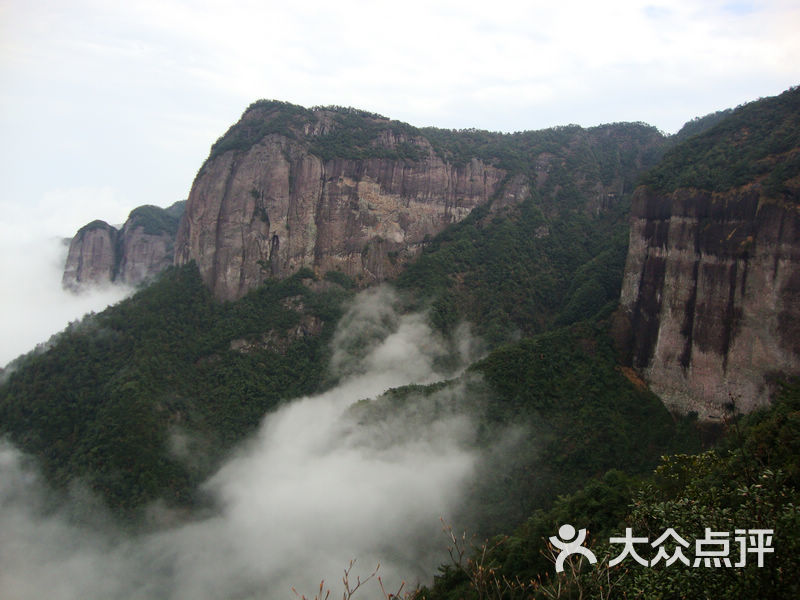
(712, 550)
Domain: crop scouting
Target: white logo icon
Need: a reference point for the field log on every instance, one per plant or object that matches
(566, 533)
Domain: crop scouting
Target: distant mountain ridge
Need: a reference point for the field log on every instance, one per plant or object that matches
(144, 246)
(339, 189)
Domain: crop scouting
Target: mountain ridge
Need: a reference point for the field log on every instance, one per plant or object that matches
(346, 132)
(344, 190)
(101, 254)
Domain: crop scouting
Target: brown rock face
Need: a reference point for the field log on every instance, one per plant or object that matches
(143, 255)
(92, 256)
(711, 294)
(275, 207)
(101, 254)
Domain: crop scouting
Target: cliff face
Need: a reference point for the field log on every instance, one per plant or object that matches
(92, 256)
(712, 287)
(277, 206)
(101, 254)
(710, 301)
(343, 190)
(143, 255)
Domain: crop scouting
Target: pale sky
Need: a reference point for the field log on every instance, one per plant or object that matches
(105, 105)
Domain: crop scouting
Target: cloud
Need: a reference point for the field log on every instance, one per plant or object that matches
(320, 484)
(33, 306)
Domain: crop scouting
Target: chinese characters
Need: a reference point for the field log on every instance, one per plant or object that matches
(714, 549)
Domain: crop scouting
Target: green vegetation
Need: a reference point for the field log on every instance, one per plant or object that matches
(552, 259)
(520, 272)
(143, 400)
(350, 133)
(155, 220)
(758, 140)
(339, 278)
(357, 135)
(110, 397)
(261, 119)
(621, 146)
(96, 224)
(750, 482)
(580, 416)
(699, 125)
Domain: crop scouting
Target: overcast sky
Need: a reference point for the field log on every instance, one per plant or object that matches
(105, 105)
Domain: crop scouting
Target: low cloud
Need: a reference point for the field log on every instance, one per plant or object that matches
(33, 252)
(321, 483)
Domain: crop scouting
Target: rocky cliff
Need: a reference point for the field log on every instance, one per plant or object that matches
(92, 256)
(278, 205)
(710, 301)
(144, 246)
(342, 190)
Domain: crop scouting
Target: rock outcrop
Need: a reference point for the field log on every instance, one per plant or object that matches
(92, 256)
(276, 207)
(710, 304)
(101, 254)
(712, 287)
(342, 190)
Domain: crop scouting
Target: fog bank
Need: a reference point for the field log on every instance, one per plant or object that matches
(315, 488)
(33, 305)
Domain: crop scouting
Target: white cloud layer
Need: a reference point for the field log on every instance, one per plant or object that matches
(311, 491)
(33, 305)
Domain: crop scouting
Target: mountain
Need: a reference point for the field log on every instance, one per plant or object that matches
(591, 262)
(544, 206)
(100, 253)
(711, 295)
(343, 190)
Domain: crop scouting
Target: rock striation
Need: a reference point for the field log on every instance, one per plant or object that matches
(92, 256)
(342, 190)
(710, 302)
(276, 207)
(712, 290)
(101, 254)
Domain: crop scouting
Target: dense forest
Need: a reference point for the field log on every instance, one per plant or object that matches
(539, 280)
(102, 401)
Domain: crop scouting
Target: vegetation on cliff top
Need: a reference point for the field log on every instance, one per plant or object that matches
(96, 224)
(757, 142)
(156, 220)
(348, 133)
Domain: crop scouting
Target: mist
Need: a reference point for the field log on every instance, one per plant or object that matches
(327, 479)
(33, 251)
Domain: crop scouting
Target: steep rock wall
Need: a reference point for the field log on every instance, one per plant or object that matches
(92, 256)
(276, 207)
(143, 255)
(101, 254)
(711, 295)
